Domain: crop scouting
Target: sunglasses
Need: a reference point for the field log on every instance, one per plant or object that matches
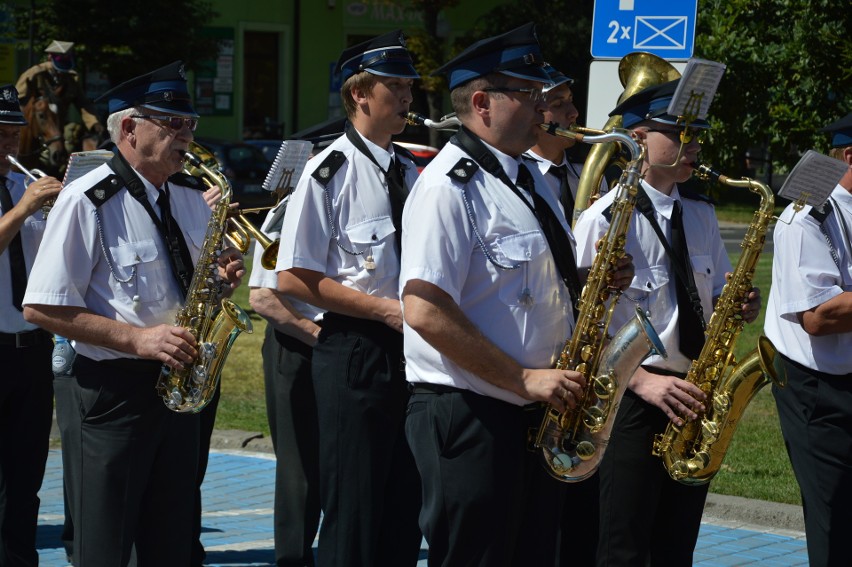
(535, 94)
(686, 135)
(173, 122)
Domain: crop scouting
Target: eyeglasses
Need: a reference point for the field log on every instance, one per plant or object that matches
(686, 135)
(535, 94)
(173, 122)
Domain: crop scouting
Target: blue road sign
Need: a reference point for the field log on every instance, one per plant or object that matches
(662, 27)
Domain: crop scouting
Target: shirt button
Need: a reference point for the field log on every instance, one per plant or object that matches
(374, 237)
(529, 254)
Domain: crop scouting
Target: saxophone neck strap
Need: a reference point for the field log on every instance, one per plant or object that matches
(179, 256)
(680, 265)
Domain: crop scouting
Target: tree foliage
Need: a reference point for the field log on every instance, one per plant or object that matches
(126, 39)
(789, 73)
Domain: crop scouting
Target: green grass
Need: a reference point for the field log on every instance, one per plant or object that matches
(756, 465)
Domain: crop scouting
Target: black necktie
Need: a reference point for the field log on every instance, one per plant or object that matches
(691, 329)
(565, 196)
(179, 255)
(557, 240)
(396, 193)
(16, 253)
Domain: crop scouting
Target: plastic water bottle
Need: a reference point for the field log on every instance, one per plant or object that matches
(63, 357)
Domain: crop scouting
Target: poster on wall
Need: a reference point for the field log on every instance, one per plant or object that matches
(214, 78)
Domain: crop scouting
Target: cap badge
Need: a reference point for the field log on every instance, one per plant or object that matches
(182, 72)
(8, 96)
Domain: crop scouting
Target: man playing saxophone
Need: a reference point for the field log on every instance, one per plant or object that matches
(645, 515)
(120, 251)
(488, 282)
(808, 320)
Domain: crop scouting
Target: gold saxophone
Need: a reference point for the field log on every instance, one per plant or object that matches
(215, 323)
(693, 453)
(573, 442)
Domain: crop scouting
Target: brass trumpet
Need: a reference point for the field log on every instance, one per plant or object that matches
(35, 175)
(243, 230)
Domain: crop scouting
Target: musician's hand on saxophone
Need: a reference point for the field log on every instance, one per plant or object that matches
(751, 306)
(624, 272)
(232, 269)
(680, 400)
(562, 389)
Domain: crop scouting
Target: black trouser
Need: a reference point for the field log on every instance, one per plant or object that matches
(579, 523)
(487, 499)
(129, 465)
(815, 411)
(291, 408)
(26, 413)
(370, 491)
(207, 420)
(646, 517)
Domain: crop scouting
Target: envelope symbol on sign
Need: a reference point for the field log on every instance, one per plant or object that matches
(660, 32)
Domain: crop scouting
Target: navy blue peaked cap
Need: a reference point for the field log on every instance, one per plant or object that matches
(10, 108)
(557, 77)
(164, 89)
(515, 53)
(651, 103)
(384, 55)
(841, 132)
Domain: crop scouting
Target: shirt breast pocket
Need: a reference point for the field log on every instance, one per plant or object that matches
(522, 285)
(705, 272)
(373, 242)
(647, 291)
(138, 271)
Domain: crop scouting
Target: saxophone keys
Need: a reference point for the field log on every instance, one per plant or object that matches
(586, 450)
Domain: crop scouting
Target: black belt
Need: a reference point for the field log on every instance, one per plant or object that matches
(426, 388)
(25, 339)
(663, 371)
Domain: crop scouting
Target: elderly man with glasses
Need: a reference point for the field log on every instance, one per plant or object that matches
(115, 268)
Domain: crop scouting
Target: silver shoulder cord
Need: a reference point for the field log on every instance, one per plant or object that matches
(334, 236)
(827, 237)
(478, 236)
(107, 256)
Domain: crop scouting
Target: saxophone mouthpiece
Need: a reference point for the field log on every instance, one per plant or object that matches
(415, 119)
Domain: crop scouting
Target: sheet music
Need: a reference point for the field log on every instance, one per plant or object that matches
(700, 77)
(813, 179)
(81, 163)
(288, 166)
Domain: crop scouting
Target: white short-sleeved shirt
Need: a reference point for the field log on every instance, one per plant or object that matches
(344, 229)
(804, 275)
(526, 311)
(261, 277)
(553, 183)
(72, 269)
(12, 320)
(653, 286)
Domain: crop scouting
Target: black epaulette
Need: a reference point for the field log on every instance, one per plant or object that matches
(186, 180)
(104, 189)
(820, 216)
(463, 170)
(607, 213)
(328, 168)
(687, 194)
